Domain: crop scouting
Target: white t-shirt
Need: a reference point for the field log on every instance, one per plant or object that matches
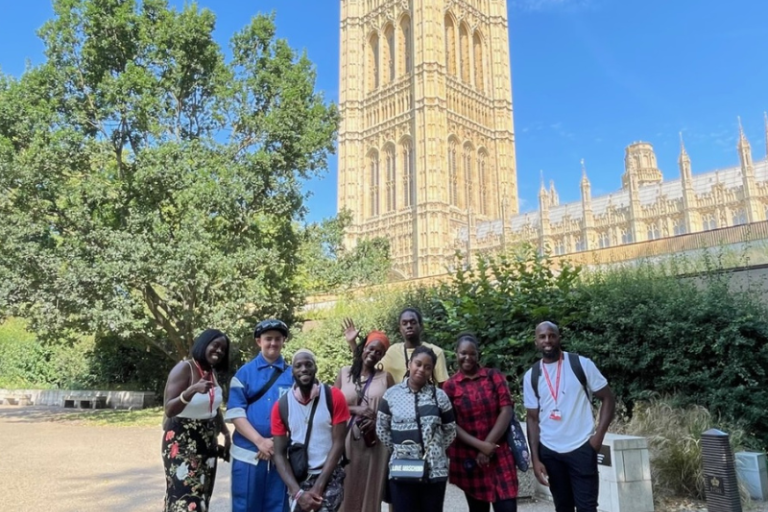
(577, 421)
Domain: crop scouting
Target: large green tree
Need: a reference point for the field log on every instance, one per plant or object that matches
(330, 267)
(151, 187)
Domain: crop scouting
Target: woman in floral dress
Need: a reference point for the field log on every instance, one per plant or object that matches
(192, 424)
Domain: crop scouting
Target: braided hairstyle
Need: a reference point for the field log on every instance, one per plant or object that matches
(357, 360)
(423, 349)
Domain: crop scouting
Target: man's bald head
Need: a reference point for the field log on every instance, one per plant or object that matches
(550, 325)
(548, 341)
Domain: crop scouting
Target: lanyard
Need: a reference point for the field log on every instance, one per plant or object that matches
(209, 377)
(556, 389)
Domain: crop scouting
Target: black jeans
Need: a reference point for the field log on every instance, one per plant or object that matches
(417, 496)
(573, 478)
(484, 506)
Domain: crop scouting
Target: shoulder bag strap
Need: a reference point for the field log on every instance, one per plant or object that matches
(359, 400)
(276, 375)
(405, 356)
(311, 420)
(418, 419)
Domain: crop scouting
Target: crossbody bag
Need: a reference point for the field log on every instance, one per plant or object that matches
(406, 469)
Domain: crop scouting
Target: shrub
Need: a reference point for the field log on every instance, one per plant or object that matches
(674, 439)
(654, 333)
(325, 338)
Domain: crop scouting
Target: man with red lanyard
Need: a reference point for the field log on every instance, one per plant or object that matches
(561, 426)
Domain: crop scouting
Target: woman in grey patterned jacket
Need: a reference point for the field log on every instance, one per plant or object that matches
(414, 418)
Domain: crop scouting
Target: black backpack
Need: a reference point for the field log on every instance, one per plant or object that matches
(577, 370)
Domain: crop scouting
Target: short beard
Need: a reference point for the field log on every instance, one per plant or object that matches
(552, 354)
(306, 389)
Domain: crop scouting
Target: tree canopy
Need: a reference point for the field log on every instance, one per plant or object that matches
(151, 186)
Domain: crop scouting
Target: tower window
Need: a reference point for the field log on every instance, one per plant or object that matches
(374, 182)
(482, 184)
(450, 45)
(409, 192)
(477, 44)
(373, 62)
(453, 175)
(391, 184)
(464, 53)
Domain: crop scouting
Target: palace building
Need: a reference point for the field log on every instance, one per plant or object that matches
(646, 208)
(427, 150)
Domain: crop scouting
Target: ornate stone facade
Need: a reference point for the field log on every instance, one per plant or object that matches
(426, 142)
(427, 151)
(646, 208)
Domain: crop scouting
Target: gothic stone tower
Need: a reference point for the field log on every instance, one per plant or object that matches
(426, 143)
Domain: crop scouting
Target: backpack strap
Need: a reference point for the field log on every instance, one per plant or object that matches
(535, 374)
(329, 400)
(282, 406)
(576, 368)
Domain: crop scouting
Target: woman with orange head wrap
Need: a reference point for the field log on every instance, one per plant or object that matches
(363, 384)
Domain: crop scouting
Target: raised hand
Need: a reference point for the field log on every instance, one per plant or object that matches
(350, 331)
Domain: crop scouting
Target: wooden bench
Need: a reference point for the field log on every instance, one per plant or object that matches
(85, 401)
(17, 399)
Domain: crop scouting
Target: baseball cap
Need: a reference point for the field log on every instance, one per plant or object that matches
(272, 324)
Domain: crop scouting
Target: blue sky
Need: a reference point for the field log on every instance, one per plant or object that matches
(589, 77)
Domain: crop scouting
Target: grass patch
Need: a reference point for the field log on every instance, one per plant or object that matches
(151, 417)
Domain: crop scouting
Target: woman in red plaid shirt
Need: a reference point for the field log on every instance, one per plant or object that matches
(481, 462)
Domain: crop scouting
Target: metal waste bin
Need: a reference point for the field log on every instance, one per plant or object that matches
(752, 470)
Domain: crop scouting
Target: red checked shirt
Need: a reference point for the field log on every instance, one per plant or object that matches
(477, 403)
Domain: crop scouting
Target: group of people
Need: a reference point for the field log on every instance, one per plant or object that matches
(394, 427)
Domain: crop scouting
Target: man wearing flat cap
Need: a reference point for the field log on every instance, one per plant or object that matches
(255, 388)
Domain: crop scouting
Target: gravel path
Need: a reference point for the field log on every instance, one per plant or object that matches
(50, 466)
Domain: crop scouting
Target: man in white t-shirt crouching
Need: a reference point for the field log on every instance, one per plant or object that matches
(561, 426)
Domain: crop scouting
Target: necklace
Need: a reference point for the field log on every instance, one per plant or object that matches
(360, 387)
(306, 410)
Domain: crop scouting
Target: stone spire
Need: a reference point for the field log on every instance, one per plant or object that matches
(586, 186)
(684, 162)
(544, 228)
(686, 179)
(745, 150)
(748, 176)
(588, 224)
(554, 199)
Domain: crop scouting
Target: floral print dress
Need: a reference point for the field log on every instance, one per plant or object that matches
(189, 457)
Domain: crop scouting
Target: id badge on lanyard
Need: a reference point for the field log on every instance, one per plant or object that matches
(555, 415)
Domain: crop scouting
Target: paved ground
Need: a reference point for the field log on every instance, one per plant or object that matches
(49, 466)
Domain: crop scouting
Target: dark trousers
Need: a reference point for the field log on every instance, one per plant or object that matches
(484, 506)
(573, 478)
(417, 496)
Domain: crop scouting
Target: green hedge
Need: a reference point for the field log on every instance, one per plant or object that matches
(651, 332)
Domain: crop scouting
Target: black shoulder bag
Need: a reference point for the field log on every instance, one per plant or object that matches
(413, 470)
(298, 457)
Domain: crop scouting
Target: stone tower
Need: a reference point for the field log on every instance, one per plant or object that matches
(426, 142)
